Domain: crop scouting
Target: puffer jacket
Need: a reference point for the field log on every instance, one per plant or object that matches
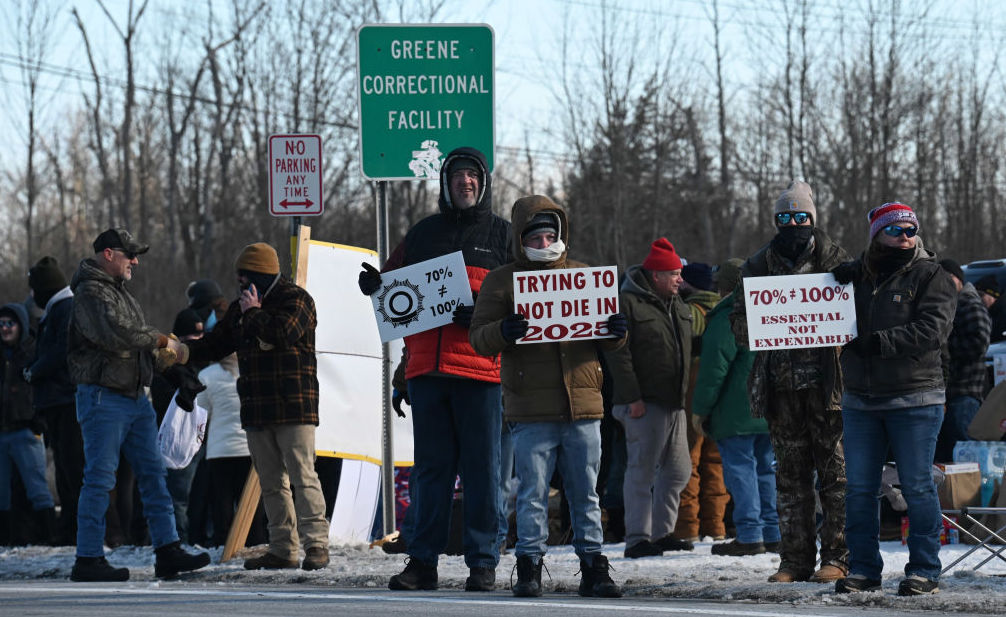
(907, 319)
(721, 391)
(15, 394)
(109, 342)
(276, 356)
(654, 365)
(825, 255)
(484, 240)
(542, 382)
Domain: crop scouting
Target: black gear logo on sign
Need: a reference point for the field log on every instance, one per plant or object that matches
(400, 303)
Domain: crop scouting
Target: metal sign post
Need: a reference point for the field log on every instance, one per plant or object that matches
(387, 441)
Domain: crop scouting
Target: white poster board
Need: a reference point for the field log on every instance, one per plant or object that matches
(566, 304)
(999, 368)
(799, 311)
(421, 297)
(349, 359)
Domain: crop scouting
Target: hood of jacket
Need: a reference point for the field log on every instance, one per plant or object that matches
(89, 270)
(635, 282)
(483, 206)
(21, 313)
(524, 209)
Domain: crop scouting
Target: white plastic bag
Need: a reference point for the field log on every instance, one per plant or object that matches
(181, 434)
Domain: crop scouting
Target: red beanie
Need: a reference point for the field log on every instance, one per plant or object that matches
(892, 212)
(662, 257)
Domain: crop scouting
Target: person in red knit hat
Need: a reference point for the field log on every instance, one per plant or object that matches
(650, 375)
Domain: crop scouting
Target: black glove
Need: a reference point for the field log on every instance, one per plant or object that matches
(618, 324)
(187, 381)
(370, 280)
(846, 272)
(396, 402)
(513, 327)
(463, 315)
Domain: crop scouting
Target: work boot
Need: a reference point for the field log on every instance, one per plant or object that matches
(97, 570)
(172, 559)
(268, 561)
(643, 548)
(315, 558)
(670, 543)
(481, 579)
(595, 581)
(857, 582)
(416, 575)
(829, 573)
(788, 575)
(734, 548)
(528, 577)
(772, 547)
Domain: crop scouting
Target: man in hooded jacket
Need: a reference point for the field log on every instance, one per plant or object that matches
(799, 392)
(453, 391)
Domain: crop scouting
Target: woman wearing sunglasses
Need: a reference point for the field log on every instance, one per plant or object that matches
(894, 395)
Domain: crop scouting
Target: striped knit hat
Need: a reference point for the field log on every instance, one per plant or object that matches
(892, 212)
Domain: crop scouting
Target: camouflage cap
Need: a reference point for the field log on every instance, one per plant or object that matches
(118, 238)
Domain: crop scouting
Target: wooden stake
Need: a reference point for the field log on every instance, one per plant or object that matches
(243, 517)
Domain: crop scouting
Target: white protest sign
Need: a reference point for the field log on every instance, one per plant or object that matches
(567, 304)
(798, 311)
(421, 297)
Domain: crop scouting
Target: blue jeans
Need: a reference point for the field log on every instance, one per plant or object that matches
(506, 483)
(22, 449)
(576, 448)
(110, 423)
(456, 429)
(750, 478)
(911, 434)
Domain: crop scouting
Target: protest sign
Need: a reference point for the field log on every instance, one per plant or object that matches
(421, 297)
(566, 304)
(798, 311)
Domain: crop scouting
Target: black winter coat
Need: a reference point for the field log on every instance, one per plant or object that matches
(50, 375)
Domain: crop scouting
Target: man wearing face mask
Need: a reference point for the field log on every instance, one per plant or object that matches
(798, 391)
(454, 392)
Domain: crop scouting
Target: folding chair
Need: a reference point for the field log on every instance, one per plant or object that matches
(965, 515)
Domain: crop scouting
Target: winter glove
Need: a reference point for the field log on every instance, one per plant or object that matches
(463, 315)
(164, 358)
(188, 384)
(513, 327)
(846, 272)
(618, 325)
(370, 280)
(397, 398)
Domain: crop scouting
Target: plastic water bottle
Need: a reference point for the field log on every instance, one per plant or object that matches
(964, 452)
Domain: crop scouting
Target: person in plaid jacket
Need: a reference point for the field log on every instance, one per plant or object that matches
(272, 329)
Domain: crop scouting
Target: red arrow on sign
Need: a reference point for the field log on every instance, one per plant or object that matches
(286, 203)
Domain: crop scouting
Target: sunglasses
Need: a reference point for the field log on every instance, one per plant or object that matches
(7, 323)
(894, 231)
(130, 255)
(783, 218)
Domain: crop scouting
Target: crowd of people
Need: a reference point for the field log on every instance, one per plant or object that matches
(670, 422)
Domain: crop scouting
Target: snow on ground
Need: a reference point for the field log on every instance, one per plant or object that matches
(675, 575)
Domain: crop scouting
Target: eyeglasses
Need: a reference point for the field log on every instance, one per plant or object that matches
(130, 255)
(7, 323)
(894, 231)
(783, 218)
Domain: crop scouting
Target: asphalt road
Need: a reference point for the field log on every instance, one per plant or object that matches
(156, 599)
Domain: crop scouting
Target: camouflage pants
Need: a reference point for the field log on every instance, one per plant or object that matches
(807, 438)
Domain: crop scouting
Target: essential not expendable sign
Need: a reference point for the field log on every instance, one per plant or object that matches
(799, 311)
(424, 89)
(421, 297)
(566, 304)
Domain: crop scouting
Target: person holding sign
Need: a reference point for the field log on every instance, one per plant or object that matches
(453, 391)
(894, 395)
(552, 395)
(650, 374)
(798, 391)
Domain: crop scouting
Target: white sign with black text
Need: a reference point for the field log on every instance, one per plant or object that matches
(799, 311)
(422, 296)
(566, 305)
(295, 175)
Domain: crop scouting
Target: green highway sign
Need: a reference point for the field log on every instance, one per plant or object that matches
(423, 90)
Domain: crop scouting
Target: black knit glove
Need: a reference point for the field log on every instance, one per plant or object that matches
(463, 315)
(370, 280)
(618, 325)
(845, 273)
(188, 384)
(397, 398)
(513, 327)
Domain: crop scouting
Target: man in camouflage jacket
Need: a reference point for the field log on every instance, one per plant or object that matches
(799, 392)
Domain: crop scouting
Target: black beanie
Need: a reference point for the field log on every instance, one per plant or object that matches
(185, 323)
(699, 276)
(202, 292)
(989, 285)
(543, 221)
(45, 279)
(953, 267)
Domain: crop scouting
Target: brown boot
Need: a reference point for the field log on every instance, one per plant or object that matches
(786, 575)
(829, 573)
(315, 558)
(268, 561)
